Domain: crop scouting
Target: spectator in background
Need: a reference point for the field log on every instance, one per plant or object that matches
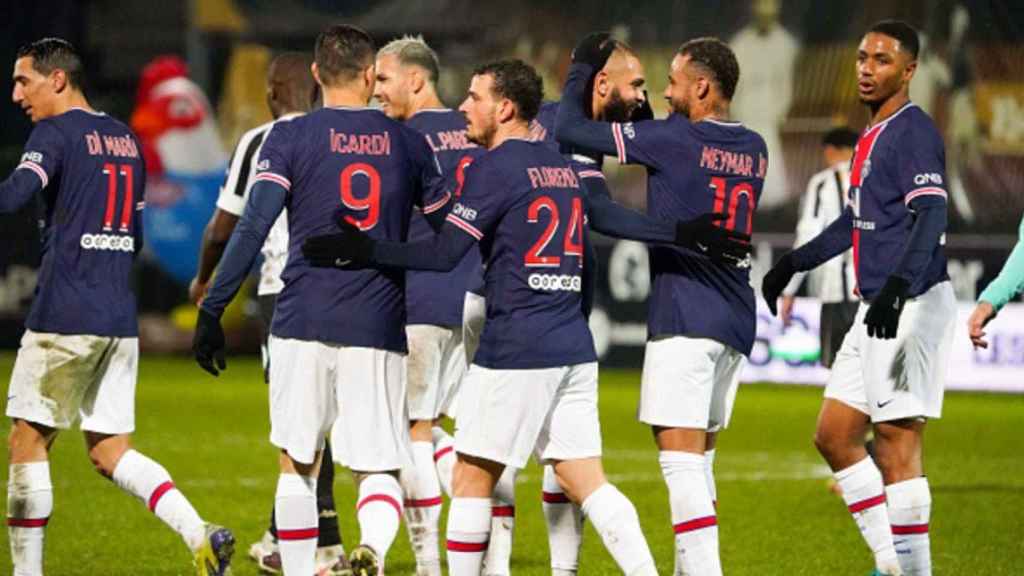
(1004, 288)
(834, 282)
(767, 54)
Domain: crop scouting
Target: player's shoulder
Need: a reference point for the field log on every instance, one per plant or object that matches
(254, 136)
(915, 123)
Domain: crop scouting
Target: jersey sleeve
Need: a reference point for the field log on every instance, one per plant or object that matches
(921, 169)
(433, 186)
(642, 142)
(482, 202)
(275, 159)
(44, 152)
(235, 189)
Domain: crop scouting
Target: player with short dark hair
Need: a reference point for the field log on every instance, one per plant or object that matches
(78, 359)
(701, 319)
(532, 387)
(338, 342)
(889, 374)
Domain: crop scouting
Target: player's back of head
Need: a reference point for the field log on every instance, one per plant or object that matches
(840, 137)
(341, 53)
(716, 58)
(290, 82)
(49, 54)
(517, 81)
(414, 51)
(902, 32)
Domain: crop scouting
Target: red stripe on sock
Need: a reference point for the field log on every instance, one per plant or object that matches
(443, 452)
(867, 503)
(503, 511)
(28, 522)
(470, 547)
(157, 494)
(695, 524)
(554, 498)
(300, 534)
(380, 498)
(423, 503)
(910, 529)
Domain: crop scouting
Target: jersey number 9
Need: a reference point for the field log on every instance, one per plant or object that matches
(370, 202)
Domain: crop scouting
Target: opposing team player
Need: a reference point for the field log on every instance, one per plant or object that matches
(79, 356)
(701, 318)
(337, 338)
(290, 93)
(407, 73)
(532, 387)
(890, 372)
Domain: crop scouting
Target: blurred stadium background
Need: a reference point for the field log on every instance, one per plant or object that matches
(189, 75)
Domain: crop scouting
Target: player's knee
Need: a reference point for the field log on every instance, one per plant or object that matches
(27, 442)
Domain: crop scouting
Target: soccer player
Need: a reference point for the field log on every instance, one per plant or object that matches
(290, 93)
(407, 73)
(532, 387)
(701, 317)
(337, 339)
(890, 372)
(79, 356)
(1004, 288)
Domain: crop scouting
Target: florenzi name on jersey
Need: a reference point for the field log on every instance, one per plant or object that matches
(552, 177)
(730, 162)
(366, 144)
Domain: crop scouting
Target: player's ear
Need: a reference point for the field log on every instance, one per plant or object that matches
(601, 84)
(416, 80)
(59, 80)
(909, 69)
(703, 86)
(506, 111)
(313, 69)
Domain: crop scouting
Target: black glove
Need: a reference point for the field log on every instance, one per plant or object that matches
(351, 248)
(883, 317)
(208, 343)
(776, 279)
(643, 111)
(702, 235)
(594, 49)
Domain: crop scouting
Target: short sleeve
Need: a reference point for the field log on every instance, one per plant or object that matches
(275, 163)
(482, 203)
(44, 152)
(433, 186)
(641, 142)
(921, 168)
(234, 191)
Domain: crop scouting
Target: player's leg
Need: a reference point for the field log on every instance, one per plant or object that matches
(503, 520)
(29, 494)
(444, 456)
(676, 396)
(898, 447)
(571, 440)
(469, 515)
(330, 552)
(564, 519)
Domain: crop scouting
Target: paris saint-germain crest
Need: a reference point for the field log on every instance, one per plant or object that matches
(865, 169)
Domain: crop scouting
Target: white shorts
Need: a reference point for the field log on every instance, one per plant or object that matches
(689, 383)
(357, 395)
(474, 314)
(435, 366)
(904, 377)
(506, 415)
(61, 378)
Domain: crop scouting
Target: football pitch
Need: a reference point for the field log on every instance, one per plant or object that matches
(776, 514)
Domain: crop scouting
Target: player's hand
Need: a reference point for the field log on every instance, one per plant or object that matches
(208, 343)
(643, 111)
(197, 291)
(883, 316)
(594, 49)
(351, 248)
(703, 235)
(786, 310)
(776, 280)
(983, 313)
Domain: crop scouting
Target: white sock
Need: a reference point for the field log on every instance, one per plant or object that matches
(147, 480)
(709, 474)
(503, 523)
(297, 523)
(469, 526)
(865, 498)
(29, 505)
(615, 519)
(693, 515)
(565, 526)
(910, 507)
(379, 512)
(423, 508)
(444, 457)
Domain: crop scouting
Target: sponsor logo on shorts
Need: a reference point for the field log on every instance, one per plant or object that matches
(555, 282)
(107, 242)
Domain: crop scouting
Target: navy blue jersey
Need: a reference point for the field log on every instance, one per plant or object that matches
(436, 297)
(694, 168)
(524, 204)
(896, 161)
(375, 170)
(93, 178)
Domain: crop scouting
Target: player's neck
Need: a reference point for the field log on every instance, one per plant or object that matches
(345, 97)
(718, 111)
(425, 101)
(511, 131)
(891, 106)
(72, 101)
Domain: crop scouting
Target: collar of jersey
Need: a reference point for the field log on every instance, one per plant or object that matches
(891, 116)
(721, 122)
(94, 113)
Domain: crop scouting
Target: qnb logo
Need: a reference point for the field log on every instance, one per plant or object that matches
(555, 282)
(932, 178)
(36, 157)
(465, 213)
(107, 242)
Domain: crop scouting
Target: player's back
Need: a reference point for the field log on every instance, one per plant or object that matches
(92, 200)
(372, 169)
(525, 203)
(432, 297)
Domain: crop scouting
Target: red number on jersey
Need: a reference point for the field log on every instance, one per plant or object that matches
(573, 243)
(743, 189)
(113, 171)
(460, 174)
(370, 203)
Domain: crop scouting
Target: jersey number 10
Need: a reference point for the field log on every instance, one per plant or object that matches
(743, 189)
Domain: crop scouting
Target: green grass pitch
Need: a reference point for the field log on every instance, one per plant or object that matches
(776, 515)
